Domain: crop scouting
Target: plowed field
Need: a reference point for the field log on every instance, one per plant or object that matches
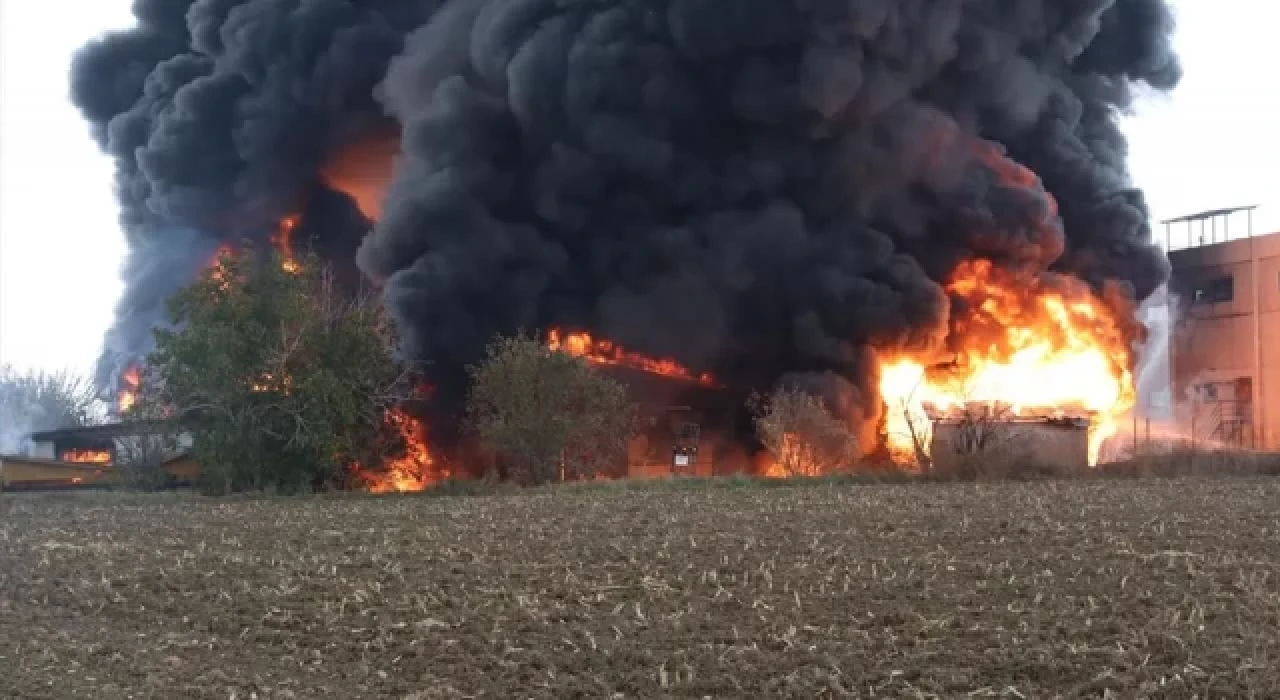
(1147, 588)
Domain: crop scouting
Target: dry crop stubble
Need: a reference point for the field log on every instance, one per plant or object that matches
(1155, 588)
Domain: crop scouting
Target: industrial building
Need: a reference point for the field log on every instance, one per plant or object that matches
(1224, 345)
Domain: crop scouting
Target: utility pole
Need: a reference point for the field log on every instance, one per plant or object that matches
(1259, 415)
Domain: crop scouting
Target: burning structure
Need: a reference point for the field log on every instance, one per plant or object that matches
(831, 195)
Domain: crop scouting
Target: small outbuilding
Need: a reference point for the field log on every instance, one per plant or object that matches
(88, 457)
(1011, 443)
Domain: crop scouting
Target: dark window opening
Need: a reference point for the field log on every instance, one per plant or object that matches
(1215, 291)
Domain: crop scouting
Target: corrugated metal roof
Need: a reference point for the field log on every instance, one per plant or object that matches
(101, 432)
(1204, 215)
(44, 462)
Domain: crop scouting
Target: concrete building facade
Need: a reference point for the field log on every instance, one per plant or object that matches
(1224, 349)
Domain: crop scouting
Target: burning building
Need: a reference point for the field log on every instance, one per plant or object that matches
(782, 193)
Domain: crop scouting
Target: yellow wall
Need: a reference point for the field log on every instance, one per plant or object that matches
(184, 468)
(17, 471)
(27, 471)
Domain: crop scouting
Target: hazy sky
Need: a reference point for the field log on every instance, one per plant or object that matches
(1215, 143)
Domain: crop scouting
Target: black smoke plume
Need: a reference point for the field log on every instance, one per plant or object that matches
(770, 190)
(220, 115)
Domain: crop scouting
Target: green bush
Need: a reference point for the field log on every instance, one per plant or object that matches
(281, 381)
(549, 415)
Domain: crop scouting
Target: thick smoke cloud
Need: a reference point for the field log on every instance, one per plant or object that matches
(220, 115)
(767, 189)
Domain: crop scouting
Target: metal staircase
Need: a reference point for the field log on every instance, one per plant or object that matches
(1231, 423)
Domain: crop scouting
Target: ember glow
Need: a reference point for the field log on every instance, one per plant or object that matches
(217, 267)
(127, 396)
(363, 173)
(269, 383)
(605, 352)
(87, 456)
(415, 471)
(1035, 350)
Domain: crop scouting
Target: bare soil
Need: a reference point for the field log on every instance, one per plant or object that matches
(1138, 588)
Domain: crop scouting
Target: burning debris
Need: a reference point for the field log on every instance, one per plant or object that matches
(283, 243)
(417, 470)
(127, 394)
(828, 194)
(87, 456)
(605, 352)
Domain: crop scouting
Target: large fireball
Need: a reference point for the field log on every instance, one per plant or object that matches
(1039, 350)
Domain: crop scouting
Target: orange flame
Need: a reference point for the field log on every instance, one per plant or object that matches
(218, 271)
(268, 382)
(416, 471)
(794, 460)
(87, 456)
(1038, 351)
(127, 396)
(283, 242)
(605, 352)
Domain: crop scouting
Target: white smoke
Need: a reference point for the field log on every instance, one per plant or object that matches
(1154, 374)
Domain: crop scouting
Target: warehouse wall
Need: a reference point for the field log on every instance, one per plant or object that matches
(1213, 340)
(18, 472)
(1010, 444)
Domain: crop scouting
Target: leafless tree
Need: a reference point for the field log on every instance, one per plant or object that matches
(37, 400)
(981, 439)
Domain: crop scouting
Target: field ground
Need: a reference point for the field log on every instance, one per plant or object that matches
(1146, 588)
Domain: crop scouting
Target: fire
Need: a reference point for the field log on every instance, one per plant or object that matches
(218, 272)
(127, 396)
(363, 172)
(415, 471)
(605, 352)
(87, 456)
(794, 461)
(283, 242)
(268, 382)
(1051, 350)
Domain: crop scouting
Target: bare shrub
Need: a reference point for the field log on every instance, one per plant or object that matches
(980, 441)
(802, 435)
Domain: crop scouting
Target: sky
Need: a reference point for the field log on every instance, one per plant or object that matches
(1213, 143)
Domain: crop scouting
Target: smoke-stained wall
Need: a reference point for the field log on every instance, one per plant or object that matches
(770, 190)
